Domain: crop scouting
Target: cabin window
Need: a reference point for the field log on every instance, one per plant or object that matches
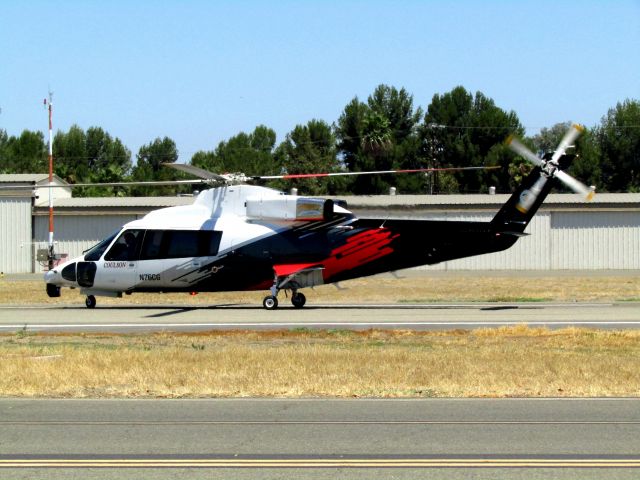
(209, 243)
(125, 247)
(182, 244)
(152, 245)
(160, 244)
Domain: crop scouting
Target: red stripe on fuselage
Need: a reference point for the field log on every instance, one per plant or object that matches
(359, 250)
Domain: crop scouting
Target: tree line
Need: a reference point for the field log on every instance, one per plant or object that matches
(385, 132)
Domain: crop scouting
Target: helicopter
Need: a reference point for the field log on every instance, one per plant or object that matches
(241, 237)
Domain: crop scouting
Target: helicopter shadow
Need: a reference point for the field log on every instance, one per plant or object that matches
(171, 310)
(179, 310)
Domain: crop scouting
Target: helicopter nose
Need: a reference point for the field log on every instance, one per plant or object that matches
(50, 276)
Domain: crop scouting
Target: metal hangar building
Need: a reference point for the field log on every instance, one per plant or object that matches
(565, 234)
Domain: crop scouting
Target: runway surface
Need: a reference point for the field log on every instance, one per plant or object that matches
(246, 438)
(147, 318)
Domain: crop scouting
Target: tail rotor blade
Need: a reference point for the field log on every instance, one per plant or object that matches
(522, 150)
(569, 137)
(574, 184)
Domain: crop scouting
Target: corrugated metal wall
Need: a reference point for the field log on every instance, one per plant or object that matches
(75, 233)
(15, 235)
(595, 240)
(584, 240)
(529, 253)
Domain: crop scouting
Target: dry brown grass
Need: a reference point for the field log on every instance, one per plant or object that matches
(513, 361)
(416, 287)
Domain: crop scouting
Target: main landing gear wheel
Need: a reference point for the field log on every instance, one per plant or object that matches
(90, 302)
(298, 300)
(270, 302)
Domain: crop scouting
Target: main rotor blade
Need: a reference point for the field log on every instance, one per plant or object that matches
(107, 184)
(575, 185)
(566, 142)
(377, 172)
(195, 171)
(522, 150)
(212, 176)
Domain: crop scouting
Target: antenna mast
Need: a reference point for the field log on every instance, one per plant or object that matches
(50, 109)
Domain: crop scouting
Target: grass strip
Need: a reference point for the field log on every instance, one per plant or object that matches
(505, 362)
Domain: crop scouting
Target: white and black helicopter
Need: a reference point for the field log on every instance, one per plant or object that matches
(238, 237)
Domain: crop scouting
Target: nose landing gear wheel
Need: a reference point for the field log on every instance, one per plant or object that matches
(298, 300)
(53, 290)
(270, 302)
(90, 302)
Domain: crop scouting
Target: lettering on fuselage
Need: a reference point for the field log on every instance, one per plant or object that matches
(150, 277)
(115, 264)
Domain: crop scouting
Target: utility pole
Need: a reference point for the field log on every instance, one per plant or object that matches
(50, 109)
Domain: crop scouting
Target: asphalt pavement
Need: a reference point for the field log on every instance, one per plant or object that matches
(313, 438)
(153, 318)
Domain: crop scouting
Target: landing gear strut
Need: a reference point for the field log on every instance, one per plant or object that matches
(90, 302)
(270, 302)
(298, 299)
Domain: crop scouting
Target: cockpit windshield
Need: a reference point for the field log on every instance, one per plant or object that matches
(95, 252)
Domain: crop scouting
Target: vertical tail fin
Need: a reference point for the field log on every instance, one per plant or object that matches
(516, 214)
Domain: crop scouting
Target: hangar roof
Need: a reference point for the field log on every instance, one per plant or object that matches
(27, 178)
(33, 185)
(154, 202)
(399, 201)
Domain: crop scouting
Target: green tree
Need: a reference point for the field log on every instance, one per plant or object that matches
(91, 157)
(618, 139)
(4, 151)
(381, 135)
(24, 154)
(376, 134)
(109, 159)
(310, 148)
(397, 107)
(70, 156)
(470, 131)
(548, 139)
(586, 167)
(149, 167)
(251, 154)
(350, 132)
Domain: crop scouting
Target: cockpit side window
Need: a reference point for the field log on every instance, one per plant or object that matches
(95, 252)
(126, 247)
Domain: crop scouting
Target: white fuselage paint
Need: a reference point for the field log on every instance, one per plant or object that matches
(221, 209)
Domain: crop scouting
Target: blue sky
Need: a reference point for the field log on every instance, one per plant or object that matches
(202, 71)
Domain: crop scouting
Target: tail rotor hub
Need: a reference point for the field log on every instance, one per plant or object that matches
(551, 168)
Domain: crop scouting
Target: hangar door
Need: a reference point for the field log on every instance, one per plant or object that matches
(15, 235)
